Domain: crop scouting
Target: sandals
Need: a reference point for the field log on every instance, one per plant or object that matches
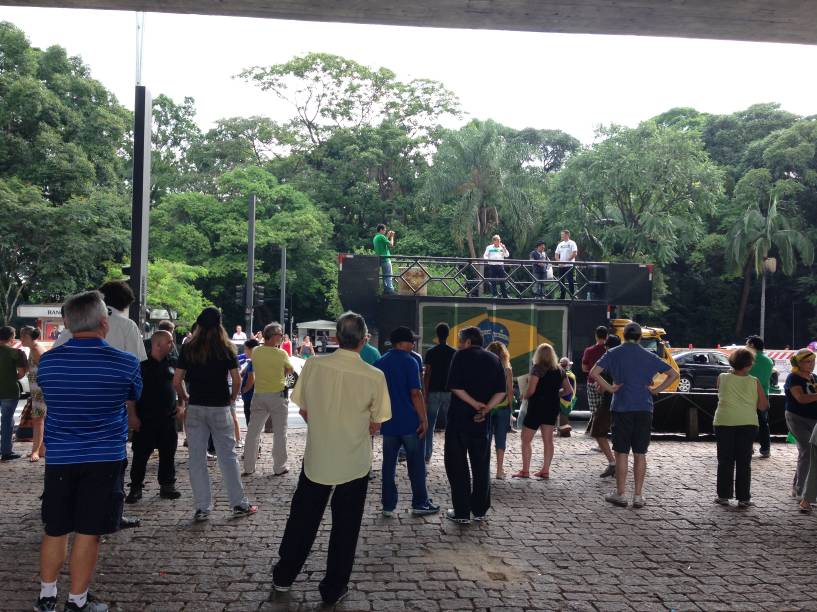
(542, 474)
(805, 509)
(521, 474)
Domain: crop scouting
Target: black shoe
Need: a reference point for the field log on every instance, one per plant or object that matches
(610, 471)
(128, 523)
(46, 604)
(10, 457)
(92, 605)
(169, 492)
(765, 454)
(331, 601)
(134, 496)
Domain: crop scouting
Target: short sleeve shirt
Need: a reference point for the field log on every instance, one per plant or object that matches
(438, 358)
(369, 354)
(341, 394)
(762, 370)
(808, 385)
(539, 258)
(591, 356)
(247, 397)
(481, 375)
(565, 249)
(633, 367)
(546, 394)
(207, 382)
(10, 359)
(402, 376)
(381, 245)
(269, 363)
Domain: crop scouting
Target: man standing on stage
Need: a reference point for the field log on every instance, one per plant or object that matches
(383, 243)
(566, 251)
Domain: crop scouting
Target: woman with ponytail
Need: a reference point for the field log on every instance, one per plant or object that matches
(29, 336)
(801, 412)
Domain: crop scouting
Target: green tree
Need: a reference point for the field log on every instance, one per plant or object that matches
(174, 133)
(763, 230)
(480, 172)
(48, 251)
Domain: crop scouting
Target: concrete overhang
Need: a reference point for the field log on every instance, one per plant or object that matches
(788, 21)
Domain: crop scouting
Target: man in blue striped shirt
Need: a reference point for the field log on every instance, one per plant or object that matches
(91, 389)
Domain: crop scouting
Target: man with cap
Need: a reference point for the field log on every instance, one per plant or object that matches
(539, 256)
(408, 424)
(633, 368)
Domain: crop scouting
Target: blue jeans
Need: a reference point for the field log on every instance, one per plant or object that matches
(385, 268)
(7, 408)
(438, 403)
(416, 470)
(500, 424)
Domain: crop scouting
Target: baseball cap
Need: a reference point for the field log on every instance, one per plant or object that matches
(538, 242)
(402, 334)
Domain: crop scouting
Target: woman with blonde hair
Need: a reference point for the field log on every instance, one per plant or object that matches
(501, 413)
(29, 336)
(204, 364)
(801, 412)
(547, 383)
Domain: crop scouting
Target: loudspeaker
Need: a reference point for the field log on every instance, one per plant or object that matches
(629, 284)
(358, 277)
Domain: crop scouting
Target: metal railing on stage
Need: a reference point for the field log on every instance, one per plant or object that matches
(512, 278)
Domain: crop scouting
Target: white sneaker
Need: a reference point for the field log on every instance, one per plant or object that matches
(616, 499)
(638, 501)
(388, 513)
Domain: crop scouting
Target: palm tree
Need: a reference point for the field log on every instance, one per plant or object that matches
(751, 240)
(480, 171)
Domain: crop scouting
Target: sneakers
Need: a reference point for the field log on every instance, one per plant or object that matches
(91, 605)
(247, 510)
(201, 515)
(616, 499)
(638, 501)
(452, 516)
(10, 457)
(388, 513)
(169, 492)
(765, 454)
(480, 519)
(609, 471)
(331, 601)
(745, 503)
(134, 496)
(723, 501)
(279, 588)
(46, 604)
(427, 508)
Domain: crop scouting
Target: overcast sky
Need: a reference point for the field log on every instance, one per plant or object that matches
(568, 82)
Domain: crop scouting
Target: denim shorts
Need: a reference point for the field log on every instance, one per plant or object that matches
(632, 430)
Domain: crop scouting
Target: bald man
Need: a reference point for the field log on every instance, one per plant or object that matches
(156, 429)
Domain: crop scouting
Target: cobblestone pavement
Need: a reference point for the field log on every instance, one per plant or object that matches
(550, 545)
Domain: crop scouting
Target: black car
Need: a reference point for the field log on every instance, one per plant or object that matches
(700, 369)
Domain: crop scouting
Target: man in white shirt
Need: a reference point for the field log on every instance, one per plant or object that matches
(566, 251)
(495, 254)
(239, 334)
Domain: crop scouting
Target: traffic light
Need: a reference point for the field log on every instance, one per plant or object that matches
(259, 294)
(286, 316)
(239, 294)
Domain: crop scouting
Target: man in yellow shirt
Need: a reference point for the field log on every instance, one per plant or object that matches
(343, 400)
(270, 366)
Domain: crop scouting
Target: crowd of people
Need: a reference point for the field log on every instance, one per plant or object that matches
(98, 384)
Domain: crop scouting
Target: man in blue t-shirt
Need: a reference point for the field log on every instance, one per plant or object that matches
(633, 368)
(91, 390)
(407, 426)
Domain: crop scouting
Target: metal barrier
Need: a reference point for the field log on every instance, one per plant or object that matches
(513, 278)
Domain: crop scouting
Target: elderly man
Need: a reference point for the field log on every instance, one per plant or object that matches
(87, 385)
(270, 365)
(477, 382)
(156, 410)
(343, 400)
(13, 366)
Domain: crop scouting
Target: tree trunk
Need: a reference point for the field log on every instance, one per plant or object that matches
(763, 304)
(744, 296)
(469, 239)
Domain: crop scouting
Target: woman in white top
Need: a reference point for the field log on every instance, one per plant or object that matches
(495, 254)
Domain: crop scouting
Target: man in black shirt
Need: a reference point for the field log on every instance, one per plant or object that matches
(477, 383)
(435, 385)
(156, 410)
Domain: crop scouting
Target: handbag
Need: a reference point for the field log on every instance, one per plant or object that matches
(25, 430)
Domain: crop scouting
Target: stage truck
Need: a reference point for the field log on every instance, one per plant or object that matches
(457, 290)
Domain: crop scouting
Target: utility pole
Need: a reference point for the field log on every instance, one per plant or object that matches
(283, 303)
(249, 290)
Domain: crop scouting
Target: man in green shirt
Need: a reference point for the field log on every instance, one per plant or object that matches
(369, 353)
(13, 365)
(383, 243)
(762, 370)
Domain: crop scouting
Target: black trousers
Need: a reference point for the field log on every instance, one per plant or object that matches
(496, 272)
(159, 434)
(568, 276)
(305, 514)
(764, 434)
(735, 460)
(461, 448)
